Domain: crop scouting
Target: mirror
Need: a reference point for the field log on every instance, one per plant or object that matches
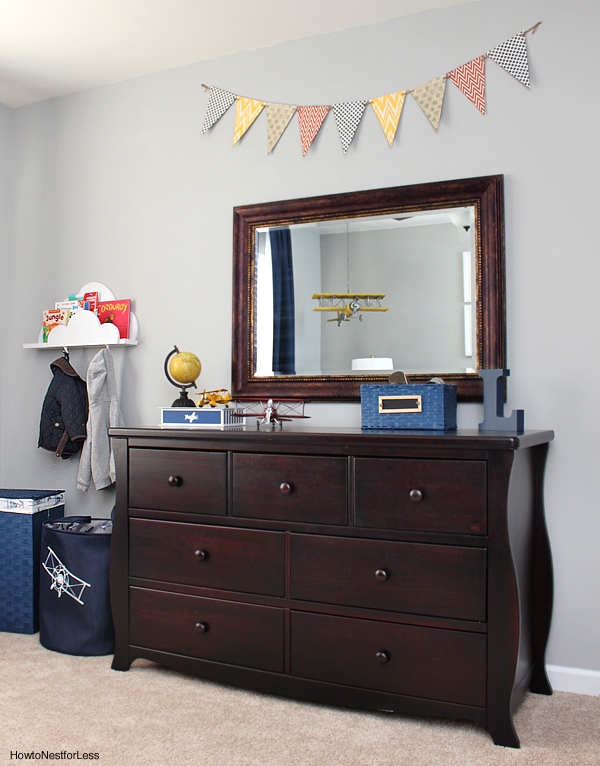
(335, 291)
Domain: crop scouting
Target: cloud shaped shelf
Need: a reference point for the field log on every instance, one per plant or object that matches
(84, 328)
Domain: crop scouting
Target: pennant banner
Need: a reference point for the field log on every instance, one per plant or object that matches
(388, 110)
(246, 111)
(347, 118)
(470, 79)
(219, 102)
(512, 56)
(430, 97)
(278, 118)
(310, 119)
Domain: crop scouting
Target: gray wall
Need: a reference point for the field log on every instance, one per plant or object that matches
(118, 185)
(5, 142)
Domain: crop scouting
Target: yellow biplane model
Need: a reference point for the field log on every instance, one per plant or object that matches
(348, 305)
(212, 398)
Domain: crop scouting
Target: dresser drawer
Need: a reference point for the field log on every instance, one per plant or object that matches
(424, 495)
(224, 631)
(290, 488)
(246, 560)
(445, 665)
(175, 480)
(434, 580)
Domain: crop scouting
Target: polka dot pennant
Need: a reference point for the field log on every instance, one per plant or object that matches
(512, 56)
(430, 97)
(347, 118)
(278, 118)
(219, 102)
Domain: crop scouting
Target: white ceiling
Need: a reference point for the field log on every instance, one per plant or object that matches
(51, 48)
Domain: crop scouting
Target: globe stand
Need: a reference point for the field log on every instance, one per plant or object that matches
(183, 400)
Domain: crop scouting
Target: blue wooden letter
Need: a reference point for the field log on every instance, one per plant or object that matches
(493, 404)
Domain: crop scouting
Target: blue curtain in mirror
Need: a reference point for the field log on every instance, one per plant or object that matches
(284, 331)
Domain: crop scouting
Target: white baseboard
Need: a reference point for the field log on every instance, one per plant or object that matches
(574, 680)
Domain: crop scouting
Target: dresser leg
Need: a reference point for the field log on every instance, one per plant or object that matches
(503, 732)
(121, 660)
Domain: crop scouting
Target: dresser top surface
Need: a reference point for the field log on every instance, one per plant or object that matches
(308, 435)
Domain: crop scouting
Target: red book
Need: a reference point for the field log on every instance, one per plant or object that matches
(116, 312)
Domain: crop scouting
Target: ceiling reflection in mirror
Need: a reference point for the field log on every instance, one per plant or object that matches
(368, 295)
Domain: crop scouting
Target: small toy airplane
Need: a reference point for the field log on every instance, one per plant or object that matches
(271, 412)
(212, 398)
(348, 305)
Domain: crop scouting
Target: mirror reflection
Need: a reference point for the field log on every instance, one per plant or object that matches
(367, 295)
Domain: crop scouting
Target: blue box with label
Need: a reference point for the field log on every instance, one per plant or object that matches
(429, 406)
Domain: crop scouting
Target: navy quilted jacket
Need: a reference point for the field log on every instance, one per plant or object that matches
(64, 411)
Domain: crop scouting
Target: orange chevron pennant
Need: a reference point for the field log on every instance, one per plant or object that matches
(246, 111)
(470, 79)
(388, 110)
(310, 119)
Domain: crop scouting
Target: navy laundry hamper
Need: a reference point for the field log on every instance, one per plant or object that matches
(75, 614)
(22, 513)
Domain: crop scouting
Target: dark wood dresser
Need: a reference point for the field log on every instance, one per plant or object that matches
(396, 571)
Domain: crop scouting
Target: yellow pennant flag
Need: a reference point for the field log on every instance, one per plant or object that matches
(388, 110)
(246, 111)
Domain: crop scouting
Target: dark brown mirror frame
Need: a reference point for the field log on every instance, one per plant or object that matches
(484, 193)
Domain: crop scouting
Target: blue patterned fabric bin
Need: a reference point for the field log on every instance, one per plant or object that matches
(22, 512)
(430, 406)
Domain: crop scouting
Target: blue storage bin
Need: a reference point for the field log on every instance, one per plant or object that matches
(429, 406)
(22, 513)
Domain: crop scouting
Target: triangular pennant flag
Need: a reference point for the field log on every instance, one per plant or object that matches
(310, 119)
(512, 56)
(246, 111)
(430, 97)
(388, 110)
(278, 118)
(470, 79)
(219, 102)
(347, 118)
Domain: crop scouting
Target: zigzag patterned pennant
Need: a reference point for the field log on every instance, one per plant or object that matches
(310, 119)
(430, 97)
(470, 79)
(388, 110)
(246, 111)
(219, 102)
(512, 56)
(278, 118)
(347, 117)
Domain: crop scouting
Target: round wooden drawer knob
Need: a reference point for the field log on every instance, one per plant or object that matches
(382, 657)
(201, 555)
(285, 488)
(201, 627)
(175, 481)
(416, 495)
(381, 575)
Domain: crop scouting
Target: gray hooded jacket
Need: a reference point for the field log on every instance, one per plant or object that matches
(97, 460)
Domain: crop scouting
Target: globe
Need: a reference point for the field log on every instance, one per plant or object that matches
(185, 367)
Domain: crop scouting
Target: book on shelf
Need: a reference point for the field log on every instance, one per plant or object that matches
(117, 312)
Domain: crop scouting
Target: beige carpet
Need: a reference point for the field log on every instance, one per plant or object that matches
(156, 717)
